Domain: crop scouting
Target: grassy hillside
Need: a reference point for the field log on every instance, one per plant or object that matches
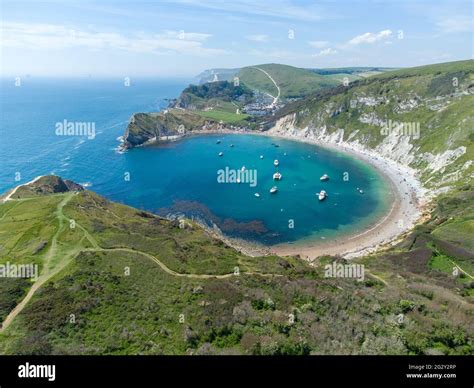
(292, 81)
(144, 127)
(436, 99)
(123, 281)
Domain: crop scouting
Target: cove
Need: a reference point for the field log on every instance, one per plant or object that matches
(181, 178)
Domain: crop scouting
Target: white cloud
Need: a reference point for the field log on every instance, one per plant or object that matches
(274, 54)
(258, 38)
(370, 37)
(326, 52)
(58, 37)
(318, 43)
(453, 24)
(282, 9)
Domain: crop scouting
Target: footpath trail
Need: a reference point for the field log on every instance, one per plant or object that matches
(49, 270)
(52, 268)
(275, 98)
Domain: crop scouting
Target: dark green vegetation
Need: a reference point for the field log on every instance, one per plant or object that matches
(221, 95)
(123, 281)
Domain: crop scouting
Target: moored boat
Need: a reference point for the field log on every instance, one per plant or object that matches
(322, 195)
(325, 177)
(273, 190)
(277, 176)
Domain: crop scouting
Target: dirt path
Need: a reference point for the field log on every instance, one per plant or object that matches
(275, 99)
(48, 272)
(51, 270)
(462, 270)
(174, 273)
(9, 195)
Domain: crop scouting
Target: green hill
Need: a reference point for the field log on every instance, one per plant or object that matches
(292, 81)
(116, 280)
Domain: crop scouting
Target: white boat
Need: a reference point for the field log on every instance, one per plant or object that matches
(276, 162)
(277, 176)
(257, 195)
(221, 153)
(218, 142)
(322, 195)
(243, 168)
(361, 191)
(261, 156)
(273, 190)
(325, 177)
(238, 180)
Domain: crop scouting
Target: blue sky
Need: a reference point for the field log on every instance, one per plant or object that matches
(182, 38)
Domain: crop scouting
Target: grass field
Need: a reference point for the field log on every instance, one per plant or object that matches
(226, 117)
(293, 82)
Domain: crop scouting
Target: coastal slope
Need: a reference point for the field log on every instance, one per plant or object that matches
(117, 280)
(420, 118)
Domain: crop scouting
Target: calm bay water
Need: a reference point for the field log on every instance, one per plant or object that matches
(181, 177)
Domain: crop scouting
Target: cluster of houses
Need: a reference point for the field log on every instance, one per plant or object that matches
(262, 104)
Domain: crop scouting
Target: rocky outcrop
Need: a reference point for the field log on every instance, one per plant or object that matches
(43, 185)
(169, 125)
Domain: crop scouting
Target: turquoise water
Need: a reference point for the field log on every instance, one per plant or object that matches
(181, 177)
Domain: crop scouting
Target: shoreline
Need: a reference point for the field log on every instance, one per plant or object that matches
(407, 209)
(12, 191)
(410, 201)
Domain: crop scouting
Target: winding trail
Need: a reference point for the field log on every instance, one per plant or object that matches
(275, 99)
(51, 269)
(462, 270)
(9, 195)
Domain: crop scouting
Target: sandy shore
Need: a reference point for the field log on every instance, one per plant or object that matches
(406, 210)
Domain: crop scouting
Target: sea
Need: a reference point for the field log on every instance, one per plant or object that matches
(73, 128)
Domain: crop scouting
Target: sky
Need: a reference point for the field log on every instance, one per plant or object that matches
(181, 38)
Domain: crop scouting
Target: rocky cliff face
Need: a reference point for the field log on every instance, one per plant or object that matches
(423, 120)
(45, 185)
(149, 127)
(171, 124)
